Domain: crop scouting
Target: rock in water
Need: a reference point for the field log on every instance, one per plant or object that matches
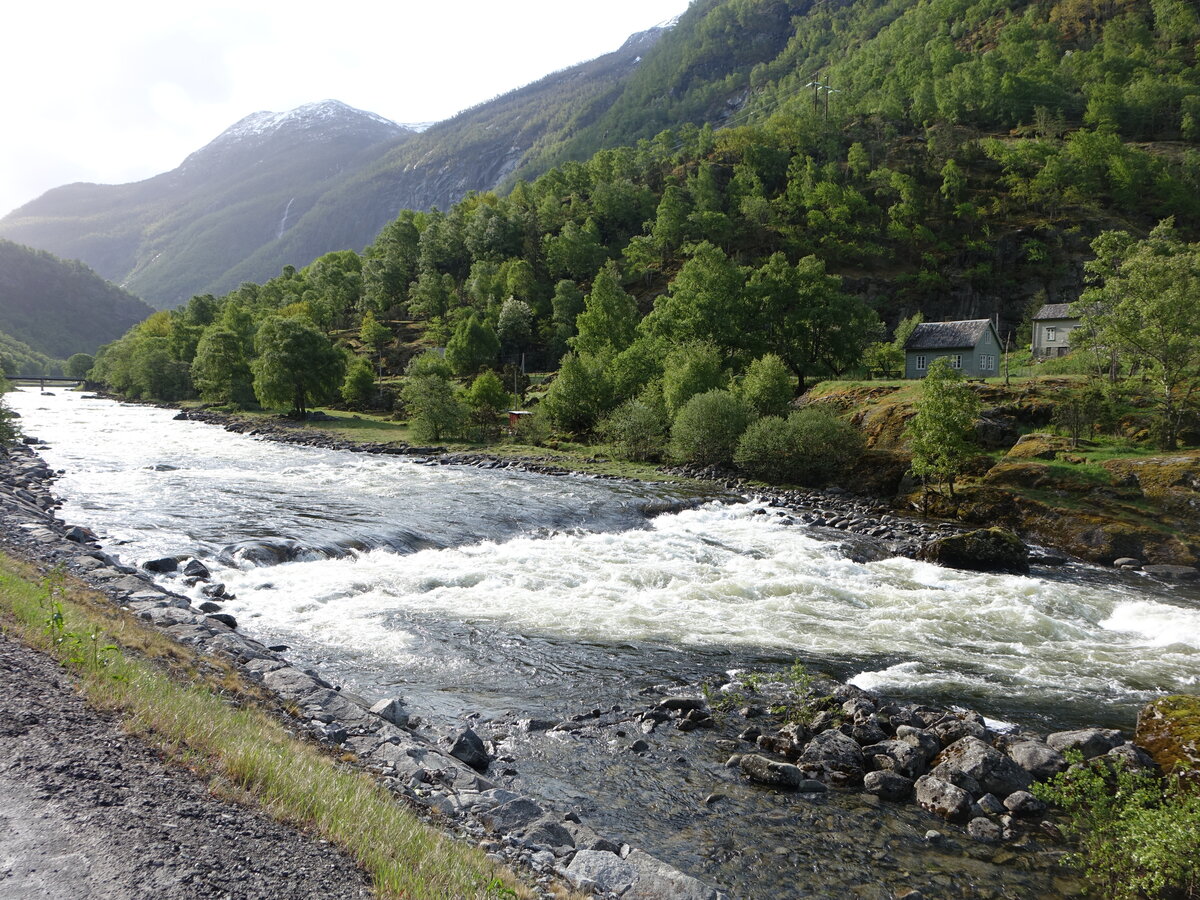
(1169, 729)
(943, 798)
(162, 565)
(767, 771)
(1091, 742)
(469, 748)
(985, 550)
(197, 569)
(391, 710)
(994, 772)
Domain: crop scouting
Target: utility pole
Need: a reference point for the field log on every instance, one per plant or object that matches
(817, 85)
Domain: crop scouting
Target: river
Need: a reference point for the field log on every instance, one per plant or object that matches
(499, 595)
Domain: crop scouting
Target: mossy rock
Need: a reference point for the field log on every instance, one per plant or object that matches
(985, 550)
(1038, 446)
(1173, 481)
(1169, 730)
(879, 472)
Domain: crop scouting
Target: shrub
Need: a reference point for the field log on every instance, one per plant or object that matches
(826, 445)
(533, 429)
(1138, 836)
(433, 409)
(809, 447)
(690, 370)
(637, 430)
(429, 363)
(768, 386)
(358, 388)
(707, 429)
(579, 395)
(766, 450)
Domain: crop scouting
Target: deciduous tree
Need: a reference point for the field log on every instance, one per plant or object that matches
(296, 365)
(942, 431)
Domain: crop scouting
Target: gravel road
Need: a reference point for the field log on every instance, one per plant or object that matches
(86, 811)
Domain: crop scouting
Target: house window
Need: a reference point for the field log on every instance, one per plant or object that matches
(1050, 334)
(956, 360)
(987, 362)
(920, 363)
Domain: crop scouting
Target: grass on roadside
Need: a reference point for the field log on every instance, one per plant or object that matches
(201, 711)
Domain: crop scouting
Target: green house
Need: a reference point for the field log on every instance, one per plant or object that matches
(972, 346)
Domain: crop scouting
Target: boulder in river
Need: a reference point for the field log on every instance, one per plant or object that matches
(1169, 730)
(162, 565)
(992, 770)
(1091, 742)
(943, 799)
(1039, 759)
(391, 710)
(835, 756)
(888, 785)
(985, 550)
(196, 569)
(469, 748)
(769, 772)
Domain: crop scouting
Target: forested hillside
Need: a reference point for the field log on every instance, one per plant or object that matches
(18, 358)
(58, 307)
(972, 152)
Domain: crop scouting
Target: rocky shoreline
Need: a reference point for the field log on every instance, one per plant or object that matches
(837, 737)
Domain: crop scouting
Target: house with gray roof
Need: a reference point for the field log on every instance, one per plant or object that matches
(1052, 326)
(972, 347)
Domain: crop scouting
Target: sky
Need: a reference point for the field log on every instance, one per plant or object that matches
(120, 91)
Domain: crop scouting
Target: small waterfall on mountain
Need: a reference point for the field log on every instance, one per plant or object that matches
(283, 222)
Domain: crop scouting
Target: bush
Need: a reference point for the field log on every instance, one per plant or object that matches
(358, 388)
(707, 429)
(766, 450)
(579, 395)
(433, 409)
(809, 447)
(533, 430)
(1138, 836)
(637, 430)
(827, 446)
(768, 386)
(429, 363)
(690, 370)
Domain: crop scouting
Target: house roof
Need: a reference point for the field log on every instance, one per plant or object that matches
(1055, 311)
(947, 335)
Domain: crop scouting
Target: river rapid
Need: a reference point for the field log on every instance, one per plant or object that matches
(496, 595)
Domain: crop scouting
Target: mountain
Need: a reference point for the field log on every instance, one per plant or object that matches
(285, 188)
(179, 233)
(59, 307)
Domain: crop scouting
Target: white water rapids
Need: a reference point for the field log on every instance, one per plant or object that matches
(497, 562)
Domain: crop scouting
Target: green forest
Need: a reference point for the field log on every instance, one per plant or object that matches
(952, 158)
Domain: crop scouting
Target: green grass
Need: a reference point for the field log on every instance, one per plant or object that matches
(199, 710)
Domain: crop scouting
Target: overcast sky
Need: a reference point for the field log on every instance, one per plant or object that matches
(119, 91)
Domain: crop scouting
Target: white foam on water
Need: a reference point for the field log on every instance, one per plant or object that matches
(1157, 624)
